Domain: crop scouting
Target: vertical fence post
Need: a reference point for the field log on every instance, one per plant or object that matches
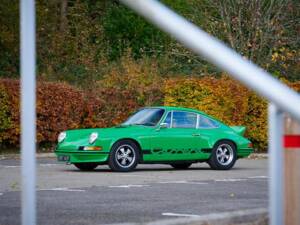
(275, 165)
(28, 114)
(292, 170)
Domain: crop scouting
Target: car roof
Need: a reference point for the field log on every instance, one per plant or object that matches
(169, 108)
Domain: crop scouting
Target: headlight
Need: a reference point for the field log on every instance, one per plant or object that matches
(93, 137)
(61, 137)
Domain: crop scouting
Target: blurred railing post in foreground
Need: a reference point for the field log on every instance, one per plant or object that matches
(28, 114)
(275, 165)
(291, 170)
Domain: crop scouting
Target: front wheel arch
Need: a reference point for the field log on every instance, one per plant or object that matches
(129, 139)
(131, 151)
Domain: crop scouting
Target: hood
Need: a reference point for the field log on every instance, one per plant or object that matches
(80, 137)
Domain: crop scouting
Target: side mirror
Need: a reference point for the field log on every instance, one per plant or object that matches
(163, 125)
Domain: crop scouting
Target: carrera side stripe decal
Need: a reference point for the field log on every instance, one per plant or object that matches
(206, 150)
(292, 142)
(146, 151)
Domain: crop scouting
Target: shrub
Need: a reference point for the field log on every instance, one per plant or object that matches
(59, 107)
(5, 119)
(10, 134)
(129, 86)
(135, 84)
(223, 98)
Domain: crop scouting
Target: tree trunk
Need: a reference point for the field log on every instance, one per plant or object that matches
(63, 15)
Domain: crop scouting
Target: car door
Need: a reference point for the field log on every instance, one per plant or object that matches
(178, 139)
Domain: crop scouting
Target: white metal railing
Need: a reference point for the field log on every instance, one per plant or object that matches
(28, 114)
(192, 37)
(241, 69)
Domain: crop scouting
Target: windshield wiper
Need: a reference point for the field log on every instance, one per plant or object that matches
(123, 125)
(144, 124)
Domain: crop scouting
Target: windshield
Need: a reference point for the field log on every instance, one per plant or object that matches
(146, 117)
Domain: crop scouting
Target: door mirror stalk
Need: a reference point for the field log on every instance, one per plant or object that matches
(162, 126)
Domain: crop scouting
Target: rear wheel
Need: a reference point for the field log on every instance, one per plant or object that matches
(124, 156)
(223, 156)
(181, 166)
(86, 166)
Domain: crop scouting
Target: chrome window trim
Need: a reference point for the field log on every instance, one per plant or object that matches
(161, 118)
(171, 122)
(165, 117)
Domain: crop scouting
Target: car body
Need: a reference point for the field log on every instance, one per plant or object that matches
(167, 135)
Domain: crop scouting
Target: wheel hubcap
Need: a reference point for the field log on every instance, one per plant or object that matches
(125, 156)
(224, 154)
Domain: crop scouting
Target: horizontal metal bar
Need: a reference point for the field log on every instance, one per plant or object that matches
(218, 53)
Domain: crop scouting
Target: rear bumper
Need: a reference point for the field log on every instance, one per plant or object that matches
(244, 152)
(82, 156)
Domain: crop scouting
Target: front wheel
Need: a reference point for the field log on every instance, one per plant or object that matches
(124, 156)
(181, 166)
(223, 156)
(86, 166)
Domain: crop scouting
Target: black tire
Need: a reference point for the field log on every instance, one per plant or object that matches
(124, 160)
(181, 166)
(86, 166)
(223, 156)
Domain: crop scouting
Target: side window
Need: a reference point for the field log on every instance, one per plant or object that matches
(168, 120)
(205, 122)
(184, 120)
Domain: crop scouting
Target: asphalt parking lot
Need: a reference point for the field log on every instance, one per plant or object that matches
(68, 196)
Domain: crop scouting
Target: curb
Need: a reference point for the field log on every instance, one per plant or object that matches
(243, 217)
(18, 156)
(258, 156)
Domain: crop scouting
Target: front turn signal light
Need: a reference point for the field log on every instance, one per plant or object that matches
(95, 148)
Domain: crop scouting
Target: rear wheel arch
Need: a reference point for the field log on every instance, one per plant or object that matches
(225, 157)
(226, 139)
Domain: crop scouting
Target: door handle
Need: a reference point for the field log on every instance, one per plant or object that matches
(195, 135)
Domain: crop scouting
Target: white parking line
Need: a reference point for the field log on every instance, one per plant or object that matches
(1, 194)
(131, 175)
(10, 166)
(230, 180)
(181, 182)
(258, 177)
(129, 186)
(215, 218)
(62, 189)
(41, 164)
(48, 164)
(179, 215)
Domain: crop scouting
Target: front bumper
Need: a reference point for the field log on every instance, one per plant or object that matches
(81, 156)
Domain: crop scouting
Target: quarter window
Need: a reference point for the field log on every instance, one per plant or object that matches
(205, 122)
(184, 120)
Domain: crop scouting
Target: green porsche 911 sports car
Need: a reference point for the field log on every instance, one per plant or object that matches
(165, 135)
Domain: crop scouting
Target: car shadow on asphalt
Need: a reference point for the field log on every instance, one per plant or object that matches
(137, 170)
